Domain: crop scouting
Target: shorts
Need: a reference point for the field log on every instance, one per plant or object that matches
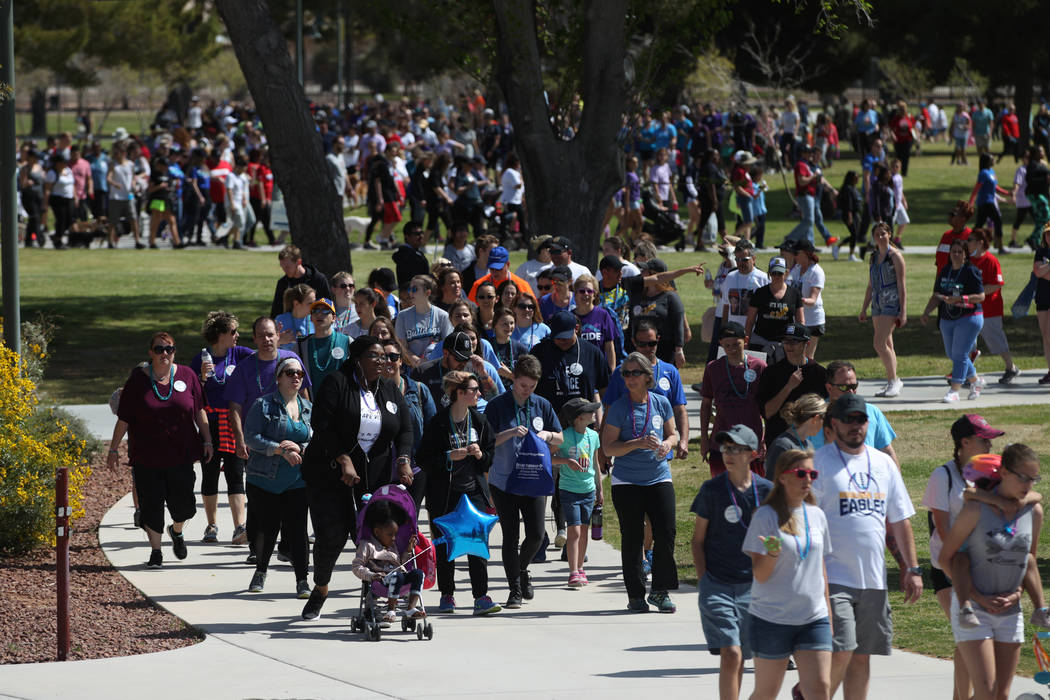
(635, 204)
(774, 641)
(1007, 627)
(576, 507)
(960, 142)
(121, 209)
(723, 614)
(862, 620)
(158, 205)
(391, 213)
(747, 214)
(171, 487)
(238, 218)
(994, 335)
(817, 331)
(982, 141)
(900, 217)
(939, 579)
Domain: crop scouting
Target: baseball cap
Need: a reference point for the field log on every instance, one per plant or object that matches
(733, 330)
(848, 404)
(805, 247)
(796, 331)
(323, 303)
(498, 257)
(972, 424)
(611, 262)
(788, 246)
(777, 265)
(654, 265)
(458, 343)
(739, 434)
(576, 406)
(562, 325)
(560, 244)
(560, 272)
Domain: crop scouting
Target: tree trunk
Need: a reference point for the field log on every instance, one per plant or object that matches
(38, 107)
(1023, 101)
(315, 213)
(568, 184)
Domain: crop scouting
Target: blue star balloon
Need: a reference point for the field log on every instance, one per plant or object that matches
(465, 530)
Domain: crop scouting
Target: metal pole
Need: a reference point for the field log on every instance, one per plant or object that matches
(341, 56)
(62, 513)
(299, 40)
(8, 211)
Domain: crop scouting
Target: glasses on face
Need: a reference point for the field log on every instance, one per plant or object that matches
(586, 292)
(646, 343)
(803, 473)
(164, 349)
(855, 419)
(1025, 478)
(633, 372)
(321, 312)
(473, 389)
(234, 332)
(393, 357)
(344, 285)
(293, 373)
(526, 307)
(543, 287)
(744, 258)
(849, 388)
(733, 449)
(487, 297)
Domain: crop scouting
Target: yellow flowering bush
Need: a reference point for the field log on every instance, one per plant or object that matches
(33, 443)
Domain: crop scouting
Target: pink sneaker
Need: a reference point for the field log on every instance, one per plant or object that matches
(583, 577)
(574, 580)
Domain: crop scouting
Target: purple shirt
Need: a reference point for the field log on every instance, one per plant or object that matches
(161, 430)
(734, 397)
(215, 387)
(254, 378)
(598, 327)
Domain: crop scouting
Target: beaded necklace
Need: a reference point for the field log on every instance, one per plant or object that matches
(225, 363)
(313, 353)
(258, 377)
(171, 383)
(729, 376)
(637, 432)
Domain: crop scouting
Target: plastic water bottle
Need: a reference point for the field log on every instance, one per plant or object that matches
(596, 523)
(206, 359)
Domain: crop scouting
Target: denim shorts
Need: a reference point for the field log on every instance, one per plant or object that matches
(723, 614)
(576, 507)
(772, 641)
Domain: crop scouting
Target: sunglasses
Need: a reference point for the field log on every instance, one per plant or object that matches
(803, 473)
(633, 372)
(585, 292)
(487, 297)
(646, 343)
(855, 419)
(393, 356)
(543, 287)
(374, 356)
(846, 387)
(293, 373)
(526, 307)
(733, 449)
(475, 389)
(321, 311)
(344, 286)
(1025, 478)
(164, 349)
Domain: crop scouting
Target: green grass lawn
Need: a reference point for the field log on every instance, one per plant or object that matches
(107, 304)
(135, 121)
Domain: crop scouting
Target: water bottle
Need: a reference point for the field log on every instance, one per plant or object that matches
(206, 359)
(596, 523)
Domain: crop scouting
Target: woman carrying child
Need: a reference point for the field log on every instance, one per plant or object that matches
(377, 557)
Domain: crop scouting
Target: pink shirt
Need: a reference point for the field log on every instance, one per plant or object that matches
(81, 177)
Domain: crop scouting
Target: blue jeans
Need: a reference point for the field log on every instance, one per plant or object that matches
(959, 337)
(809, 207)
(724, 615)
(770, 640)
(1024, 299)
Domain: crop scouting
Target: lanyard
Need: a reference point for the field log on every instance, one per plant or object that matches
(803, 554)
(729, 376)
(258, 378)
(525, 410)
(754, 491)
(846, 465)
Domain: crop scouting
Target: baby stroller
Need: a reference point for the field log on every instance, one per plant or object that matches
(662, 224)
(371, 608)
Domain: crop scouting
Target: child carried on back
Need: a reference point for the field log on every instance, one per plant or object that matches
(378, 560)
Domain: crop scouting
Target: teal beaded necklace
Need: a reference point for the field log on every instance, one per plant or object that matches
(171, 383)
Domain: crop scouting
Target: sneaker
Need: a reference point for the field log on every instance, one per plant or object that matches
(574, 580)
(447, 604)
(884, 389)
(136, 518)
(527, 590)
(637, 605)
(1015, 244)
(1045, 379)
(156, 559)
(893, 388)
(968, 618)
(178, 543)
(583, 576)
(560, 539)
(950, 397)
(647, 562)
(1041, 617)
(1005, 251)
(975, 388)
(312, 609)
(513, 601)
(302, 589)
(485, 606)
(696, 387)
(661, 601)
(832, 241)
(853, 258)
(258, 582)
(240, 535)
(211, 534)
(1009, 375)
(250, 559)
(369, 246)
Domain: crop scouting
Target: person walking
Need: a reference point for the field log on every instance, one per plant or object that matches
(887, 294)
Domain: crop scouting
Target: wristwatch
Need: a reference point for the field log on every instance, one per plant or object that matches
(917, 570)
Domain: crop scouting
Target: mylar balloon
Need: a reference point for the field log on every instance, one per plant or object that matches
(465, 530)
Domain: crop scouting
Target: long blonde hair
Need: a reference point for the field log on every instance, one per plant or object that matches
(777, 499)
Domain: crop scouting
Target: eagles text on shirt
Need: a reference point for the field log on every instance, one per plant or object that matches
(862, 502)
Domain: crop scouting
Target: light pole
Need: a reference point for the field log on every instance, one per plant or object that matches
(8, 210)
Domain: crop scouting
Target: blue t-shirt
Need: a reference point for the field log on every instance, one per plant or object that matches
(640, 467)
(254, 378)
(215, 387)
(574, 447)
(880, 433)
(987, 180)
(530, 335)
(302, 327)
(548, 308)
(503, 412)
(728, 512)
(99, 170)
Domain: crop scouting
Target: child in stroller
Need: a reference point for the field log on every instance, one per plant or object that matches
(378, 559)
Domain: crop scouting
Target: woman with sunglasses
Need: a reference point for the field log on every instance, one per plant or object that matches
(420, 408)
(369, 305)
(277, 430)
(362, 440)
(456, 453)
(639, 431)
(486, 298)
(597, 324)
(506, 348)
(449, 288)
(421, 326)
(957, 295)
(805, 419)
(162, 411)
(1000, 543)
(529, 327)
(221, 334)
(324, 350)
(343, 295)
(789, 611)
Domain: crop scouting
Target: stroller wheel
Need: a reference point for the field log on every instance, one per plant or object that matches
(375, 633)
(406, 624)
(353, 624)
(429, 631)
(419, 632)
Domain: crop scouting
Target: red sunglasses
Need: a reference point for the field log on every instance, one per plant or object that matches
(803, 473)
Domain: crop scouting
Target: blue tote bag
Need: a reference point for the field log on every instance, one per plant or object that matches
(531, 475)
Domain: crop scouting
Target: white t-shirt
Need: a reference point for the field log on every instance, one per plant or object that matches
(1021, 183)
(794, 594)
(236, 189)
(942, 496)
(660, 175)
(61, 183)
(577, 270)
(736, 293)
(122, 180)
(193, 117)
(511, 190)
(461, 259)
(806, 281)
(789, 122)
(859, 494)
(422, 331)
(371, 421)
(528, 271)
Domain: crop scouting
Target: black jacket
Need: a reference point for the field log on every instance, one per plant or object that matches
(314, 279)
(437, 441)
(336, 421)
(410, 262)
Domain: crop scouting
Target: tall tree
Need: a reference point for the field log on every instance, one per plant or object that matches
(314, 209)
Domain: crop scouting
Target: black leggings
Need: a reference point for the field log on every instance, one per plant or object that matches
(987, 212)
(513, 510)
(632, 504)
(261, 209)
(1019, 218)
(333, 513)
(230, 464)
(279, 512)
(442, 500)
(33, 203)
(63, 209)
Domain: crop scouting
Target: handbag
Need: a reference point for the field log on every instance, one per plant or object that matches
(531, 474)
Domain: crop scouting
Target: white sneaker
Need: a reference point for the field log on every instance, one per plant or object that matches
(894, 387)
(853, 258)
(975, 388)
(884, 389)
(950, 397)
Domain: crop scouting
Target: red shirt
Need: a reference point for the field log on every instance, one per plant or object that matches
(902, 127)
(802, 170)
(217, 187)
(1011, 127)
(949, 237)
(991, 273)
(742, 179)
